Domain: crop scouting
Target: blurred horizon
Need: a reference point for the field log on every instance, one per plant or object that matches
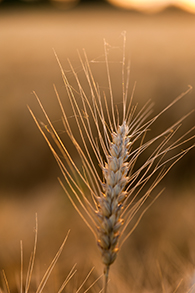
(143, 6)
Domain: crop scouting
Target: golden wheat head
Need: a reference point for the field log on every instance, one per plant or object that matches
(111, 142)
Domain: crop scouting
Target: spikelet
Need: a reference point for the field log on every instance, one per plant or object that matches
(115, 191)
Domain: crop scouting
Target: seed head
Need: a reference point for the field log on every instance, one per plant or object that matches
(115, 189)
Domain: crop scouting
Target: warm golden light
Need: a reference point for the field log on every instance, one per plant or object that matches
(188, 5)
(153, 5)
(142, 5)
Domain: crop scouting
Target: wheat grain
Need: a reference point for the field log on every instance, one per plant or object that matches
(119, 191)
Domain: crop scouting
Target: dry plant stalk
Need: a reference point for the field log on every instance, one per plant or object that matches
(111, 144)
(25, 285)
(26, 288)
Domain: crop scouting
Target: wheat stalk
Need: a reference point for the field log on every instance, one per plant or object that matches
(26, 288)
(115, 190)
(42, 284)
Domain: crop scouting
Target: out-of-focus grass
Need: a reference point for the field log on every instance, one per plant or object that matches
(160, 252)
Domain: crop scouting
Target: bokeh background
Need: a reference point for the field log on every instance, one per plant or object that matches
(160, 46)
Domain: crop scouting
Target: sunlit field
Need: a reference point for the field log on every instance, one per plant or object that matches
(159, 256)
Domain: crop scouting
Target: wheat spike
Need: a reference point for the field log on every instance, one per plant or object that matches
(110, 202)
(115, 189)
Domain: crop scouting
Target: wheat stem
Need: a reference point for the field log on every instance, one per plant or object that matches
(106, 273)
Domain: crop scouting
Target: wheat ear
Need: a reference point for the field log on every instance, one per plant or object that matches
(110, 203)
(111, 144)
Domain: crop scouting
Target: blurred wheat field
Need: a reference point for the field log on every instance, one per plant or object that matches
(160, 253)
(159, 47)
